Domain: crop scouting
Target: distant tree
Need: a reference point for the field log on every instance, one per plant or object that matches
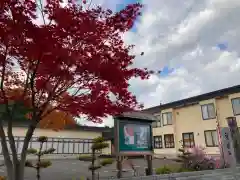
(57, 120)
(71, 62)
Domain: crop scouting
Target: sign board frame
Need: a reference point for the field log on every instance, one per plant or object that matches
(132, 120)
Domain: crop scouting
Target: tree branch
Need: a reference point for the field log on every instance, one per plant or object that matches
(41, 94)
(2, 81)
(32, 86)
(26, 141)
(26, 83)
(12, 141)
(41, 10)
(90, 3)
(9, 114)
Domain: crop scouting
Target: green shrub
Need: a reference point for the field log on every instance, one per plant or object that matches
(105, 162)
(164, 170)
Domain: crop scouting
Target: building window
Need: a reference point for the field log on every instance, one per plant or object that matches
(211, 138)
(157, 123)
(236, 106)
(157, 142)
(208, 111)
(167, 118)
(188, 140)
(169, 141)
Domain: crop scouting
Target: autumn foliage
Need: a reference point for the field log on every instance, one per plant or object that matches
(74, 61)
(60, 59)
(57, 120)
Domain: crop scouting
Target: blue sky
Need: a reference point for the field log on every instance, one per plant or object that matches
(222, 46)
(166, 71)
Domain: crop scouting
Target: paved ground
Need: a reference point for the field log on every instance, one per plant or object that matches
(75, 169)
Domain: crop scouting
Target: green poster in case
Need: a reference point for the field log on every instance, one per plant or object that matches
(134, 137)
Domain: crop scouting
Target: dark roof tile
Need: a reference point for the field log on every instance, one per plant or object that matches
(137, 115)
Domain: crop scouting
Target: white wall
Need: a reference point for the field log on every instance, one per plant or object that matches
(65, 141)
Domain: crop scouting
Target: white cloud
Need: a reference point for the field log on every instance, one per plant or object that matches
(185, 36)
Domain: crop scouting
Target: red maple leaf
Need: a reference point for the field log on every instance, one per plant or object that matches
(65, 62)
(66, 59)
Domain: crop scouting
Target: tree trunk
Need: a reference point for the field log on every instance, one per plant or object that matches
(7, 159)
(15, 171)
(19, 171)
(9, 167)
(15, 168)
(93, 175)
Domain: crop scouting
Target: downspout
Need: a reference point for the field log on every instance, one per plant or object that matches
(176, 141)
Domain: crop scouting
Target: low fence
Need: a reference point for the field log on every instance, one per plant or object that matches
(219, 174)
(62, 145)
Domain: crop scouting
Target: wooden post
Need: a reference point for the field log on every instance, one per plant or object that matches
(150, 164)
(119, 166)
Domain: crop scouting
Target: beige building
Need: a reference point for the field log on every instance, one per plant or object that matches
(193, 121)
(72, 140)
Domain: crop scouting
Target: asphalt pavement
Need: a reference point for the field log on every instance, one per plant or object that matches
(74, 170)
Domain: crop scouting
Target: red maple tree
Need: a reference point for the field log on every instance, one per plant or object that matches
(74, 61)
